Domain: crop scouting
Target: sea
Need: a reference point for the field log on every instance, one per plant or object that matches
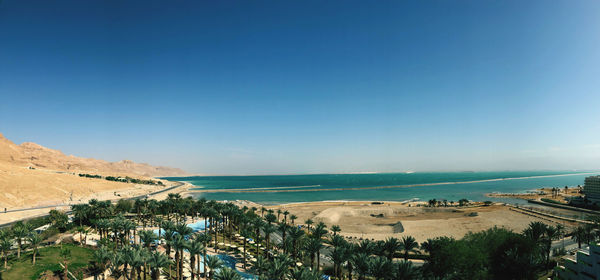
(421, 186)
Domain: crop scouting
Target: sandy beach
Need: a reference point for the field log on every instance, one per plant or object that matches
(395, 219)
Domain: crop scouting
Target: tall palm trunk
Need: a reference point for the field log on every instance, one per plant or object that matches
(244, 252)
(318, 260)
(350, 270)
(204, 264)
(193, 265)
(19, 248)
(205, 218)
(176, 263)
(132, 273)
(181, 256)
(198, 267)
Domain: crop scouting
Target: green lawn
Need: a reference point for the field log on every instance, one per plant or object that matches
(47, 259)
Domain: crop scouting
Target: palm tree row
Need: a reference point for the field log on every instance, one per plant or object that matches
(285, 243)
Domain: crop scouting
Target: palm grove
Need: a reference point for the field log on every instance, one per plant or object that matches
(273, 246)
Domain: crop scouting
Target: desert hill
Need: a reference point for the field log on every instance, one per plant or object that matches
(37, 156)
(33, 175)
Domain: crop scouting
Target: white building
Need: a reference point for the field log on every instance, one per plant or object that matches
(585, 265)
(591, 188)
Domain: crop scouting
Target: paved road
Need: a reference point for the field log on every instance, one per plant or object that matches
(568, 243)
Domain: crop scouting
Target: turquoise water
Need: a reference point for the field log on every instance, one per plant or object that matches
(452, 186)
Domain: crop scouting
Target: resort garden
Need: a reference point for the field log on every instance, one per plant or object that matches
(184, 238)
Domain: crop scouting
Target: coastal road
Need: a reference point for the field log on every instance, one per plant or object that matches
(568, 243)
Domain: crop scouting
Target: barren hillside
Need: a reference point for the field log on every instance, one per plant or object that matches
(34, 155)
(33, 175)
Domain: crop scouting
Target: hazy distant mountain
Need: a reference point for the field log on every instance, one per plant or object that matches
(37, 156)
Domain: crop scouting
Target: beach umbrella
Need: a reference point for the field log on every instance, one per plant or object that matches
(298, 264)
(221, 244)
(237, 234)
(233, 247)
(251, 242)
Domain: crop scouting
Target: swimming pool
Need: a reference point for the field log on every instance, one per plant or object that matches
(229, 261)
(196, 227)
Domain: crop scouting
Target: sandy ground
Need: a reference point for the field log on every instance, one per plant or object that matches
(360, 219)
(25, 188)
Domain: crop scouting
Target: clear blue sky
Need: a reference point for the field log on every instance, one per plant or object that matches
(263, 87)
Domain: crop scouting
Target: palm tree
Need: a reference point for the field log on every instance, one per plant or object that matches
(320, 230)
(380, 267)
(308, 223)
(390, 246)
(169, 234)
(365, 246)
(335, 229)
(80, 212)
(285, 214)
(535, 231)
(195, 248)
(295, 234)
(213, 263)
(313, 247)
(303, 274)
(551, 234)
(65, 254)
(147, 237)
(268, 230)
(204, 238)
(279, 267)
(102, 256)
(361, 263)
(580, 236)
(5, 245)
(409, 244)
(136, 261)
(34, 242)
(406, 271)
(293, 218)
(117, 261)
(278, 214)
(260, 266)
(561, 232)
(227, 273)
(82, 230)
(178, 244)
(245, 232)
(338, 256)
(283, 228)
(20, 232)
(156, 262)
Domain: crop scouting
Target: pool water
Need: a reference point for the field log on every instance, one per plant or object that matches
(230, 262)
(196, 227)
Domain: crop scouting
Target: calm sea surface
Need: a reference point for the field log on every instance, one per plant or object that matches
(381, 186)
